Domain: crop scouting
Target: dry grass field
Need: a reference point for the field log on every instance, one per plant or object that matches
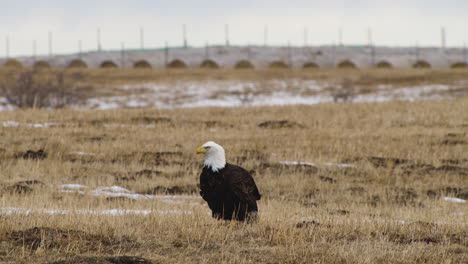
(363, 182)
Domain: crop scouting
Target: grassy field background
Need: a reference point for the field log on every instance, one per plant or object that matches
(376, 194)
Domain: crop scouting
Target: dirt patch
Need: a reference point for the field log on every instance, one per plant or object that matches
(421, 232)
(217, 124)
(152, 120)
(427, 168)
(382, 162)
(278, 167)
(457, 192)
(275, 124)
(159, 158)
(104, 260)
(146, 173)
(454, 161)
(250, 154)
(56, 238)
(308, 224)
(22, 187)
(357, 190)
(454, 139)
(411, 166)
(133, 176)
(163, 158)
(124, 178)
(327, 179)
(403, 197)
(100, 122)
(184, 189)
(119, 199)
(32, 155)
(338, 212)
(97, 138)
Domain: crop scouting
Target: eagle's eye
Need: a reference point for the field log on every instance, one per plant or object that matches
(207, 147)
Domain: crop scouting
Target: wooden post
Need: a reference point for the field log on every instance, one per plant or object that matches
(7, 47)
(289, 54)
(417, 51)
(306, 36)
(206, 50)
(265, 35)
(34, 50)
(166, 55)
(369, 37)
(226, 32)
(142, 40)
(50, 44)
(98, 37)
(442, 38)
(122, 55)
(465, 54)
(340, 37)
(79, 49)
(184, 35)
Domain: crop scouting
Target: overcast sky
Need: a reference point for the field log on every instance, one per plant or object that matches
(393, 22)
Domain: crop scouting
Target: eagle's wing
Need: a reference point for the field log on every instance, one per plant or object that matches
(243, 185)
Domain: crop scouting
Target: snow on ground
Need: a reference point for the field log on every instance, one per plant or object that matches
(110, 212)
(118, 191)
(253, 93)
(10, 123)
(453, 200)
(311, 164)
(234, 93)
(299, 163)
(79, 153)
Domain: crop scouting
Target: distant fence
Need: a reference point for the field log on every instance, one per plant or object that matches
(217, 57)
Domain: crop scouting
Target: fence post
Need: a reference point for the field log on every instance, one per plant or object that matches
(142, 38)
(98, 37)
(7, 46)
(50, 44)
(34, 51)
(122, 55)
(465, 54)
(226, 32)
(166, 55)
(79, 49)
(184, 35)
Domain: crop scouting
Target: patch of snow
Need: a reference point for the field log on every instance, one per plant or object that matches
(72, 186)
(118, 191)
(340, 165)
(44, 125)
(300, 163)
(111, 212)
(253, 93)
(304, 163)
(30, 125)
(10, 124)
(453, 200)
(82, 153)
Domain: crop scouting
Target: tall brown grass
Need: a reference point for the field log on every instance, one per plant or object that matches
(386, 208)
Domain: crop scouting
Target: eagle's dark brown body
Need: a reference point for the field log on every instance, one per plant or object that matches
(231, 192)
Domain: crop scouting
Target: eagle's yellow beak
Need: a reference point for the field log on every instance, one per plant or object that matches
(201, 150)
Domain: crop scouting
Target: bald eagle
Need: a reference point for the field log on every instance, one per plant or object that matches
(230, 190)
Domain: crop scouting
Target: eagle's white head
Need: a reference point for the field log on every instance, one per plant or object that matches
(214, 155)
